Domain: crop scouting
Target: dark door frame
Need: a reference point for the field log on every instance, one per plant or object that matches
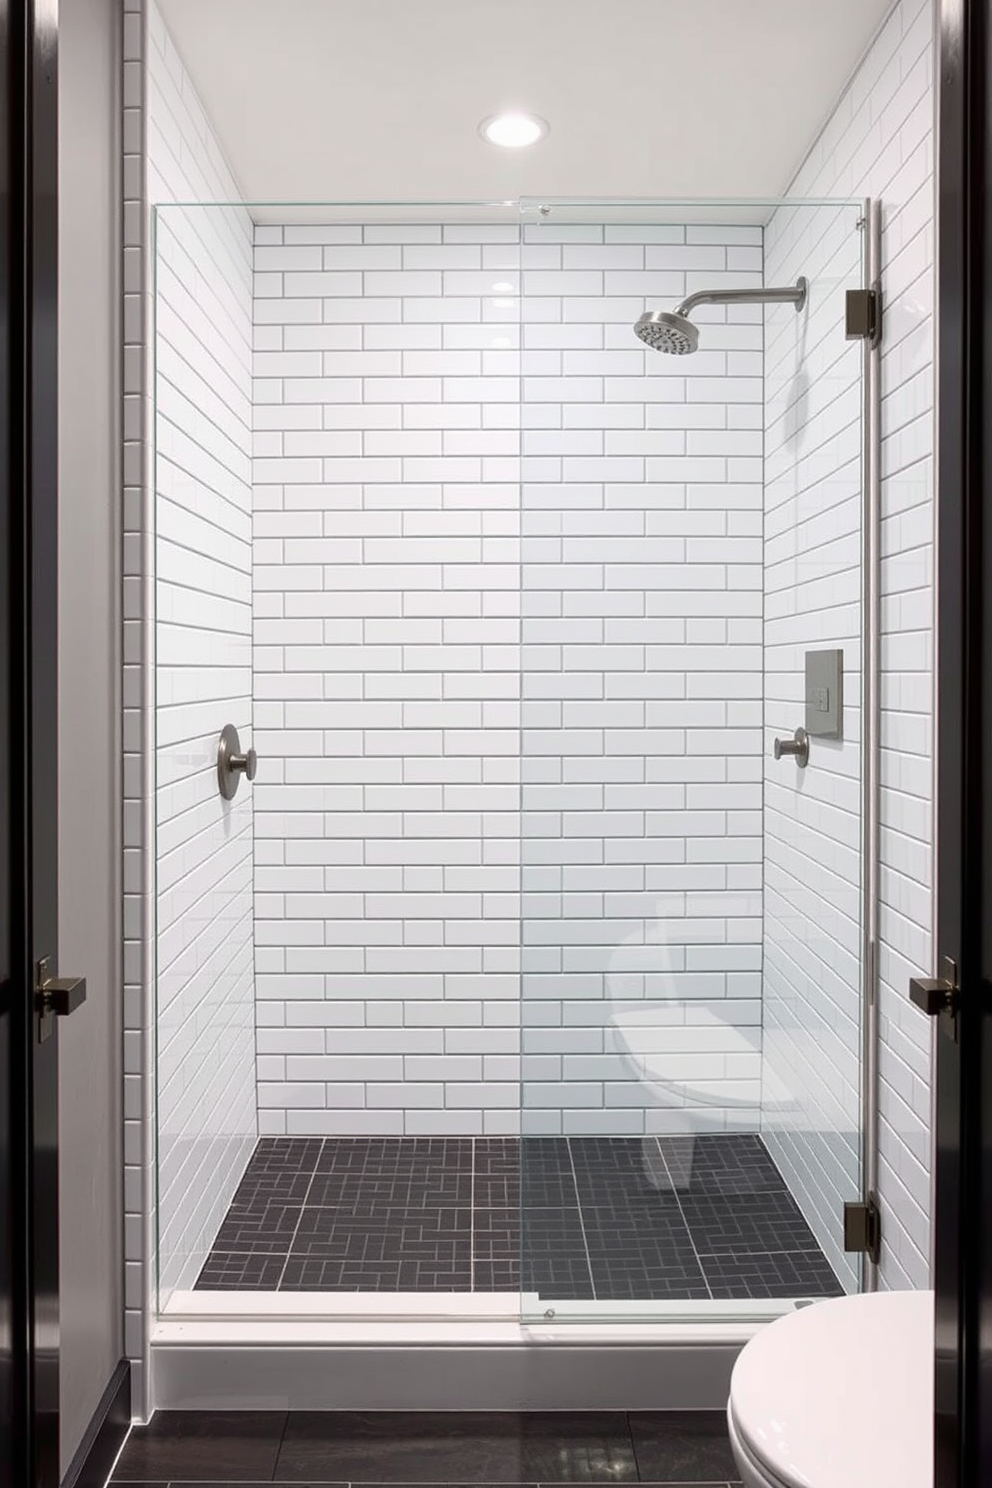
(963, 1137)
(29, 493)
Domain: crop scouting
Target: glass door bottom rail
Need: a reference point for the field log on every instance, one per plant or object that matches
(565, 1218)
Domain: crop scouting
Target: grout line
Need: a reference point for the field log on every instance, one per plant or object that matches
(582, 1223)
(688, 1230)
(282, 1273)
(471, 1224)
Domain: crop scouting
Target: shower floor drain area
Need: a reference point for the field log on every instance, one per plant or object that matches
(571, 1218)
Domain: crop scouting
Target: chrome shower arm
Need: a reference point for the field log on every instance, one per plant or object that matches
(792, 294)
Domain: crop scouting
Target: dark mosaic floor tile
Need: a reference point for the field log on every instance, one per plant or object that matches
(619, 1173)
(417, 1214)
(736, 1163)
(496, 1276)
(495, 1150)
(682, 1446)
(182, 1446)
(647, 1253)
(250, 1272)
(496, 1234)
(546, 1176)
(385, 1155)
(328, 1234)
(431, 1275)
(744, 1223)
(299, 1154)
(781, 1274)
(468, 1447)
(257, 1192)
(269, 1229)
(406, 1190)
(499, 1191)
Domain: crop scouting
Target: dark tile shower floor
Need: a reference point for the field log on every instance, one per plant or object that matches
(570, 1218)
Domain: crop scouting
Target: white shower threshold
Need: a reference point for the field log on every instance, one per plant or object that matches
(455, 1351)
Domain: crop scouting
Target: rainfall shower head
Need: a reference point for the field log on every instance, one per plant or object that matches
(673, 331)
(663, 330)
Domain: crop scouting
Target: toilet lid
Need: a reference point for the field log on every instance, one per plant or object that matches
(841, 1393)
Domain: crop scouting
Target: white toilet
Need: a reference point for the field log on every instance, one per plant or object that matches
(838, 1395)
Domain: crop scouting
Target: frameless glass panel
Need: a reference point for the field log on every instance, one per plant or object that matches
(205, 1106)
(691, 911)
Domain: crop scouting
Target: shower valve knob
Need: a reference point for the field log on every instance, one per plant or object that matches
(232, 763)
(797, 746)
(246, 763)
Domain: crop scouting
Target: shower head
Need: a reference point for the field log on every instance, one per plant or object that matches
(673, 331)
(663, 330)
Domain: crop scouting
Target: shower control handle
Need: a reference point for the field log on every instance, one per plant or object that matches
(232, 763)
(797, 746)
(246, 763)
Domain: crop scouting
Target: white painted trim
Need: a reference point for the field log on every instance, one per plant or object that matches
(671, 1369)
(291, 1317)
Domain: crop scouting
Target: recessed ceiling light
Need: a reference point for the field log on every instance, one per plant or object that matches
(513, 131)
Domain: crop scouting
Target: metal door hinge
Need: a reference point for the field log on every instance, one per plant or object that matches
(863, 1228)
(55, 997)
(863, 315)
(938, 996)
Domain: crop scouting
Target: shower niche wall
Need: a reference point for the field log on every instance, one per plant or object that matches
(523, 980)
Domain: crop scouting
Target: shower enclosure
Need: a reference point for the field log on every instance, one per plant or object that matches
(529, 974)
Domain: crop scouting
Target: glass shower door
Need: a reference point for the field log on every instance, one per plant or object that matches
(691, 910)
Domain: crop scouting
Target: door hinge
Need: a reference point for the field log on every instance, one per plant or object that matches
(55, 997)
(863, 1228)
(938, 997)
(863, 315)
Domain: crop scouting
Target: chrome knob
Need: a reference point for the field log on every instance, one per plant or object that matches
(232, 764)
(246, 763)
(797, 746)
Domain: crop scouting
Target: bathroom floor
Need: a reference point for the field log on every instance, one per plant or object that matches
(570, 1218)
(338, 1448)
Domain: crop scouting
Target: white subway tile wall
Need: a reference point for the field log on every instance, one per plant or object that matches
(812, 981)
(390, 383)
(205, 1033)
(879, 142)
(641, 661)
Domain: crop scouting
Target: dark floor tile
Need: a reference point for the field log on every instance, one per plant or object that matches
(250, 1271)
(496, 1276)
(182, 1446)
(642, 1251)
(384, 1235)
(619, 1173)
(781, 1274)
(266, 1229)
(496, 1234)
(388, 1447)
(434, 1274)
(682, 1446)
(285, 1154)
(743, 1223)
(735, 1163)
(396, 1155)
(554, 1259)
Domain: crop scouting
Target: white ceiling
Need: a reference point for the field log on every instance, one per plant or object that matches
(337, 100)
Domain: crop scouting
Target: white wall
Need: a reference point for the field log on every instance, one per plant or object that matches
(641, 740)
(205, 973)
(879, 143)
(387, 660)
